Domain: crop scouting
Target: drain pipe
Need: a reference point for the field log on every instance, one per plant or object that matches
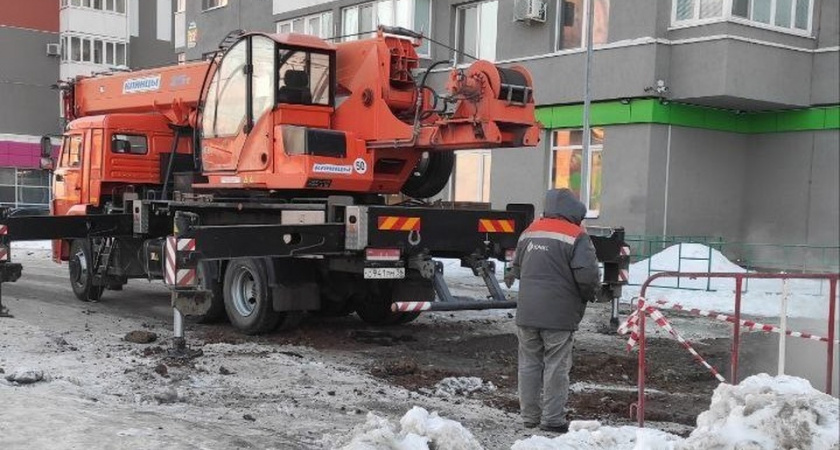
(667, 182)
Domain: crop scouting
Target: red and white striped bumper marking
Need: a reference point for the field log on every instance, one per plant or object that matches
(4, 253)
(625, 250)
(4, 229)
(411, 306)
(173, 275)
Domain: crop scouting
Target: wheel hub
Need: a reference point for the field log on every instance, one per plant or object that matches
(245, 293)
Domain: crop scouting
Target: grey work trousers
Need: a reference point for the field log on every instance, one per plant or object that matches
(545, 359)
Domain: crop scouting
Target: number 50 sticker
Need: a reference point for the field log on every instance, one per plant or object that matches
(360, 166)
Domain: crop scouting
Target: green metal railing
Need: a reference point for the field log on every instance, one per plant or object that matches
(758, 257)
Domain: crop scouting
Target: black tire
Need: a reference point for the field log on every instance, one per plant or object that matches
(430, 176)
(81, 280)
(247, 297)
(374, 305)
(407, 317)
(209, 281)
(337, 291)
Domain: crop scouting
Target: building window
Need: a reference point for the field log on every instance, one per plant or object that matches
(320, 25)
(786, 14)
(95, 51)
(476, 31)
(213, 4)
(567, 165)
(783, 15)
(471, 177)
(116, 6)
(363, 19)
(24, 187)
(571, 23)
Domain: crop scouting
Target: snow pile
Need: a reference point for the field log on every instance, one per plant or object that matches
(761, 297)
(765, 412)
(761, 413)
(591, 435)
(454, 386)
(419, 430)
(684, 258)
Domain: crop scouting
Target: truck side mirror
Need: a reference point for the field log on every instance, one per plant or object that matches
(46, 147)
(46, 162)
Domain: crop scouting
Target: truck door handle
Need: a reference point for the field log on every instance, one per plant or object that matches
(59, 177)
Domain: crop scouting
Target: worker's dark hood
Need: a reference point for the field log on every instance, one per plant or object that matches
(562, 204)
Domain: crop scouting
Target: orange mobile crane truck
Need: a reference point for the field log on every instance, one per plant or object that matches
(253, 183)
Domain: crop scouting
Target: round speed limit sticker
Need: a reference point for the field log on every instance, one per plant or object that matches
(360, 166)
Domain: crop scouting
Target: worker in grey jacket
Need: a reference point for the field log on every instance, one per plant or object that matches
(558, 272)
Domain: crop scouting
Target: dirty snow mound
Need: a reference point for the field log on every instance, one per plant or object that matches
(454, 386)
(591, 435)
(761, 413)
(419, 430)
(25, 376)
(765, 412)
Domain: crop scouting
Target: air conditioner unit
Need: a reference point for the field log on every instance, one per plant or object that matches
(53, 49)
(529, 11)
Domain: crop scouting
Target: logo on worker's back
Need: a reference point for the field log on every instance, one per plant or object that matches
(539, 247)
(145, 84)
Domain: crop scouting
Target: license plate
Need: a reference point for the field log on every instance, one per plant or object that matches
(384, 273)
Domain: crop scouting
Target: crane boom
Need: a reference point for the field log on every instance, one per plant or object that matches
(172, 91)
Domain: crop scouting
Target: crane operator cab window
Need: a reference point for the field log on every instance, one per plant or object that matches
(303, 77)
(256, 74)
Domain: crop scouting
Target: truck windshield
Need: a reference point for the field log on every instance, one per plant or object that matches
(303, 77)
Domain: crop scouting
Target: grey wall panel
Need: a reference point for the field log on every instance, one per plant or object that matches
(777, 188)
(146, 50)
(519, 176)
(827, 25)
(28, 104)
(624, 194)
(768, 74)
(706, 186)
(824, 215)
(825, 89)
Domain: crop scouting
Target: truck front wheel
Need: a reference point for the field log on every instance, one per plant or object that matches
(81, 271)
(248, 297)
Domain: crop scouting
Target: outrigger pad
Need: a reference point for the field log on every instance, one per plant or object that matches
(10, 272)
(192, 302)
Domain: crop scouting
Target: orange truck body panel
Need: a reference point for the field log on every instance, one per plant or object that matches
(376, 110)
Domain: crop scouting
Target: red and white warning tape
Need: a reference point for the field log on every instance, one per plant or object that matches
(752, 326)
(632, 326)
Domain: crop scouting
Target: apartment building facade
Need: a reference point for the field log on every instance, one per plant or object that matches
(709, 117)
(44, 41)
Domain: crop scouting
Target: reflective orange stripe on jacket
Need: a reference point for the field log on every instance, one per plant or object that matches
(557, 229)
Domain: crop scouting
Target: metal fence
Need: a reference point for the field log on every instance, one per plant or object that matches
(753, 257)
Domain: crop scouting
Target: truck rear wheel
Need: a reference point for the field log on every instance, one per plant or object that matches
(247, 297)
(81, 276)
